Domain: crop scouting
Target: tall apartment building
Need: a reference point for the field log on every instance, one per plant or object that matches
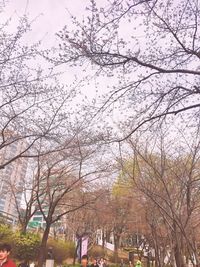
(12, 179)
(55, 185)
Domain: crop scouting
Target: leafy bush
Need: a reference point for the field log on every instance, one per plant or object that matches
(6, 234)
(61, 249)
(97, 252)
(112, 258)
(26, 246)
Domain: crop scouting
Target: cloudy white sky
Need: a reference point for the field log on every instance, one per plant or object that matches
(50, 16)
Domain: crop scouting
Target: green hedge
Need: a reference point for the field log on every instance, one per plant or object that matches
(26, 246)
(61, 250)
(6, 234)
(97, 252)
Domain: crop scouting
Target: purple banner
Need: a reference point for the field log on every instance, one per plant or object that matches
(84, 245)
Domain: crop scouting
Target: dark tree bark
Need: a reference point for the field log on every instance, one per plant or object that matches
(42, 251)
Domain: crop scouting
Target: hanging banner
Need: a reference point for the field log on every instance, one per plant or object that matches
(84, 245)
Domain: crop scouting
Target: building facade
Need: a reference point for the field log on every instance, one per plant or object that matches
(12, 179)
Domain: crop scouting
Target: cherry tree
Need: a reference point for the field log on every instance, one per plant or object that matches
(149, 51)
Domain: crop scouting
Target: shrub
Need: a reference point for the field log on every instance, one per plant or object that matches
(6, 234)
(112, 258)
(61, 249)
(26, 246)
(97, 252)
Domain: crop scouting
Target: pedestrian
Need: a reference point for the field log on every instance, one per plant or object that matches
(32, 264)
(94, 263)
(24, 264)
(84, 261)
(122, 263)
(101, 262)
(5, 261)
(105, 264)
(138, 264)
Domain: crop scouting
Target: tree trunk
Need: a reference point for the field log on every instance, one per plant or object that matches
(178, 256)
(24, 224)
(24, 227)
(42, 252)
(116, 241)
(75, 253)
(103, 238)
(156, 246)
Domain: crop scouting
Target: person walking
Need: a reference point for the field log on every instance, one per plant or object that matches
(5, 261)
(122, 263)
(24, 264)
(105, 264)
(84, 261)
(94, 263)
(101, 262)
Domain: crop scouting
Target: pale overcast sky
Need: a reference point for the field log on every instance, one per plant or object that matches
(49, 17)
(52, 14)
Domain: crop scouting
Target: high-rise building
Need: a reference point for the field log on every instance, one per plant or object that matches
(12, 178)
(52, 186)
